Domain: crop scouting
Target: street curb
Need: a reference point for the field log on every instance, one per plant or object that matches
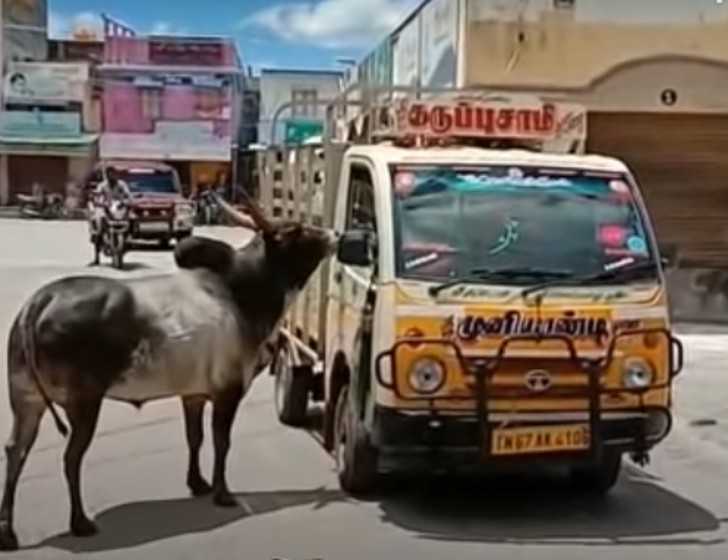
(13, 213)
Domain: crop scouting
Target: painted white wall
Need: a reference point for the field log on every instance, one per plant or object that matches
(275, 90)
(617, 11)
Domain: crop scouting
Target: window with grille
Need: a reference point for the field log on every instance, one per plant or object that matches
(151, 99)
(304, 102)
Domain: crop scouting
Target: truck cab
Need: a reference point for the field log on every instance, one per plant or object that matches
(491, 306)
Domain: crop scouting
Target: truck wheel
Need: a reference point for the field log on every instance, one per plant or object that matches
(291, 389)
(598, 480)
(356, 457)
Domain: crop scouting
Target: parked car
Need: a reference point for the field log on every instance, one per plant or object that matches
(160, 211)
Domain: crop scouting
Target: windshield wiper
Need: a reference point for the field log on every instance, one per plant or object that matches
(623, 272)
(478, 275)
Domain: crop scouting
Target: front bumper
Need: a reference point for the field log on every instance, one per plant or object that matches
(161, 229)
(465, 438)
(422, 440)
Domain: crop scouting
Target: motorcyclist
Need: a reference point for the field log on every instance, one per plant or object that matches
(113, 188)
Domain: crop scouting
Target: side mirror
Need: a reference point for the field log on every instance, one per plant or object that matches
(356, 248)
(668, 255)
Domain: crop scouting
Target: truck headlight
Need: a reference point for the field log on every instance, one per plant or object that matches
(427, 376)
(184, 210)
(637, 373)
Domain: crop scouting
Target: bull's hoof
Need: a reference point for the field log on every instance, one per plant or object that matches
(225, 499)
(8, 539)
(83, 527)
(199, 487)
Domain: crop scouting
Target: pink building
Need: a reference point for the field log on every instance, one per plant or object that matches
(174, 99)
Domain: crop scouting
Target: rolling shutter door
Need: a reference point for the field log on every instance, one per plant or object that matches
(50, 171)
(681, 163)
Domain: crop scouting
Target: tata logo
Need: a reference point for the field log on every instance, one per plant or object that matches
(538, 380)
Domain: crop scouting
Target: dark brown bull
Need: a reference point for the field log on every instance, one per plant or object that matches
(197, 333)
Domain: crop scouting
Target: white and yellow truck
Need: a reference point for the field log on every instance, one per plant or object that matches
(488, 305)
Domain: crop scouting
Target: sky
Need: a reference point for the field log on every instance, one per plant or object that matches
(292, 33)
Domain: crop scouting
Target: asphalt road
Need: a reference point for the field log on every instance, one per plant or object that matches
(134, 473)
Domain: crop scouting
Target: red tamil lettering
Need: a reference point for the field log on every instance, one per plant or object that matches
(485, 120)
(505, 119)
(417, 116)
(546, 118)
(525, 119)
(441, 120)
(464, 116)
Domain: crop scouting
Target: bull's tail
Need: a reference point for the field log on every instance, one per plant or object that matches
(28, 338)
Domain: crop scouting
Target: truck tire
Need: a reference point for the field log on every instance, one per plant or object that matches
(356, 457)
(597, 480)
(291, 389)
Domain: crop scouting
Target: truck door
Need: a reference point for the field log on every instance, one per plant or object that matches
(349, 283)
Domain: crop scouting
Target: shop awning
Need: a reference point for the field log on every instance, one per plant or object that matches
(48, 146)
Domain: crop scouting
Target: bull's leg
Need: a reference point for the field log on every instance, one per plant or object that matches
(83, 415)
(193, 409)
(26, 421)
(225, 406)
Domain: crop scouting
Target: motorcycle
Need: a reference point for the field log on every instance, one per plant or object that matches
(208, 210)
(49, 207)
(117, 230)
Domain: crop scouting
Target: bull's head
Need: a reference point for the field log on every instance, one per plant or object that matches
(285, 253)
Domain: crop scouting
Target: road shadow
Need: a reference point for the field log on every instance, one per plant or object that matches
(140, 523)
(545, 511)
(128, 266)
(141, 247)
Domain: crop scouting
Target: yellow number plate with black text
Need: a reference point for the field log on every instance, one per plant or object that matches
(540, 439)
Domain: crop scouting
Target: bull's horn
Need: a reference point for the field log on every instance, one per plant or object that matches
(236, 216)
(256, 213)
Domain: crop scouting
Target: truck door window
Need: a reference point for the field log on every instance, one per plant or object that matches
(360, 204)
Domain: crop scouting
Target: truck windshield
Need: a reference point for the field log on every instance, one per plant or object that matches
(457, 222)
(161, 182)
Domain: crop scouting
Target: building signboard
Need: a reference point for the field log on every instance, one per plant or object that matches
(39, 124)
(296, 132)
(33, 82)
(170, 140)
(170, 52)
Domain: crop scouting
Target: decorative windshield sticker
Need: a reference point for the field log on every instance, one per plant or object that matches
(508, 238)
(421, 260)
(512, 180)
(580, 294)
(512, 323)
(404, 184)
(619, 187)
(637, 244)
(613, 235)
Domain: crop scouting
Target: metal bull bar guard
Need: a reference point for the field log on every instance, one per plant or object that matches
(481, 371)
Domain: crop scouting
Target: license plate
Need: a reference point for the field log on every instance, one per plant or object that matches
(153, 226)
(542, 439)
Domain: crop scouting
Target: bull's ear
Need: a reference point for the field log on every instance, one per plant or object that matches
(284, 235)
(204, 252)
